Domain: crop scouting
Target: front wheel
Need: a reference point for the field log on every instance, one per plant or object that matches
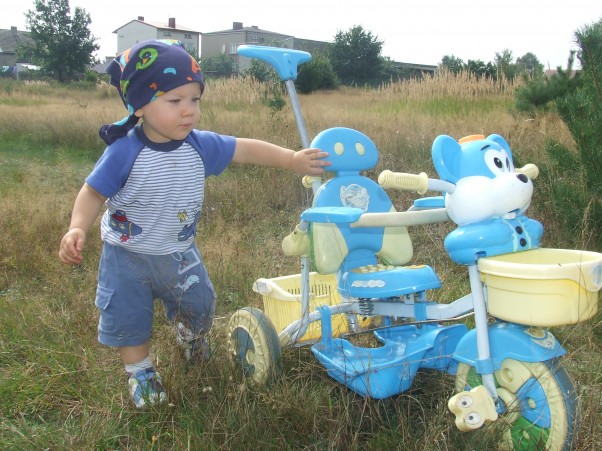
(253, 345)
(540, 403)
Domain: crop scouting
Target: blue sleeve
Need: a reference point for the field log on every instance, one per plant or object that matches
(113, 167)
(216, 150)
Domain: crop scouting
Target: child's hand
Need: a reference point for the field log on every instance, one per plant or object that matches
(72, 245)
(309, 162)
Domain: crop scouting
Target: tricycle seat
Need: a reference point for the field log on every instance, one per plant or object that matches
(382, 281)
(370, 262)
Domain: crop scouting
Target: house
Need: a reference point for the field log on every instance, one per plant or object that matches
(10, 40)
(101, 67)
(413, 70)
(139, 30)
(549, 73)
(226, 42)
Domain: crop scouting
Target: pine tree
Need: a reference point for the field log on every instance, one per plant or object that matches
(576, 178)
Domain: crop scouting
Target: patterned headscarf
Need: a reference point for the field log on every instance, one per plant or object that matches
(145, 72)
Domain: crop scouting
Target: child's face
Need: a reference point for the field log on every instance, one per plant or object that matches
(173, 115)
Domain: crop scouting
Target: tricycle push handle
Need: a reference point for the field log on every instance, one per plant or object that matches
(285, 61)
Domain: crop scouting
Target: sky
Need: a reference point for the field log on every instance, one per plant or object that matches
(417, 31)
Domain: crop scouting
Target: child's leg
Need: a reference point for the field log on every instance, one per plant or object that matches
(189, 300)
(194, 346)
(125, 302)
(134, 354)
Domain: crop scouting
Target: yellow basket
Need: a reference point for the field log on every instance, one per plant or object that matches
(543, 287)
(282, 302)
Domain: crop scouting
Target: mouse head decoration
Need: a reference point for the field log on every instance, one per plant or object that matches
(489, 198)
(487, 186)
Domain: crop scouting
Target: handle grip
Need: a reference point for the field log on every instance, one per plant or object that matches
(285, 61)
(403, 181)
(530, 170)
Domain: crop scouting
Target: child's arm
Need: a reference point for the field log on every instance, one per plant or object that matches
(305, 162)
(85, 211)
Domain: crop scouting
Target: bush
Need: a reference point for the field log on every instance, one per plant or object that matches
(540, 92)
(316, 75)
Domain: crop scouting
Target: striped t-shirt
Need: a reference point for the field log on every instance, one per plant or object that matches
(158, 206)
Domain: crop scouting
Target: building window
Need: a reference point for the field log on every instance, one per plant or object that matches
(223, 49)
(166, 33)
(233, 49)
(187, 36)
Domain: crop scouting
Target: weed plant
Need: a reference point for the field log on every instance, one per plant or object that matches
(59, 389)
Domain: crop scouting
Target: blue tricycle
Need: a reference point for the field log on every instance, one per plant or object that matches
(357, 277)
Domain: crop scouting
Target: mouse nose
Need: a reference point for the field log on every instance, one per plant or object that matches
(522, 177)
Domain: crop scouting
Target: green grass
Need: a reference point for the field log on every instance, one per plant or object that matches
(59, 389)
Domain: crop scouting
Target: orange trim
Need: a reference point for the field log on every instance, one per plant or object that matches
(470, 138)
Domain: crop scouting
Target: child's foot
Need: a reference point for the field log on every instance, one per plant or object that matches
(146, 388)
(195, 349)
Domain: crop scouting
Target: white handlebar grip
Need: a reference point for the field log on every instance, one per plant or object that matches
(308, 180)
(530, 170)
(403, 181)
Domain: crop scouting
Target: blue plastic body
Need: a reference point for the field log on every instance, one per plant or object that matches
(334, 215)
(426, 203)
(389, 369)
(495, 236)
(510, 341)
(284, 61)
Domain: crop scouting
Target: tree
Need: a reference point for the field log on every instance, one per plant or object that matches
(452, 63)
(529, 65)
(62, 45)
(480, 69)
(505, 64)
(219, 65)
(539, 92)
(576, 178)
(316, 75)
(356, 58)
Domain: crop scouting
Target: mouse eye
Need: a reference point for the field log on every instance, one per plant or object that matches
(498, 163)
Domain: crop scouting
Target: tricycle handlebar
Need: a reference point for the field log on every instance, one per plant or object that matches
(530, 170)
(403, 181)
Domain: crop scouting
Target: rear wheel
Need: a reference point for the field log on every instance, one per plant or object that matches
(540, 403)
(253, 344)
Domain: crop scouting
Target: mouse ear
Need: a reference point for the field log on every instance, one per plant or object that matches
(501, 141)
(445, 153)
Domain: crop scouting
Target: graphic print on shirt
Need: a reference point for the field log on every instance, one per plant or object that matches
(190, 229)
(119, 222)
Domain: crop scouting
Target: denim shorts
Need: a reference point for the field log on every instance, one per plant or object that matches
(129, 282)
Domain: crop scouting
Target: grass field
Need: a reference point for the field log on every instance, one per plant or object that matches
(59, 389)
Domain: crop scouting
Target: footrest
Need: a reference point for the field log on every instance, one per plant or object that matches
(472, 408)
(372, 372)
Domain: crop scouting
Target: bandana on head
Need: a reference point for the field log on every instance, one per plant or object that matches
(145, 72)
